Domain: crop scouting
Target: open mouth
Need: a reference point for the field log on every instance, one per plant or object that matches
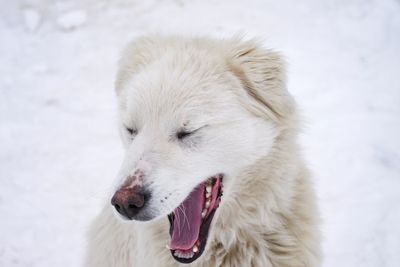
(190, 222)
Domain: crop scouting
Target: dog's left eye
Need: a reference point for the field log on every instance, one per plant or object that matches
(182, 134)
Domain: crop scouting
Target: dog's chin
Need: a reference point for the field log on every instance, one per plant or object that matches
(190, 222)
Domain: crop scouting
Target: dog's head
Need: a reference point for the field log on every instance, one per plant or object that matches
(193, 114)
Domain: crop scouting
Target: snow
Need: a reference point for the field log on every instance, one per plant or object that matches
(32, 19)
(59, 148)
(72, 19)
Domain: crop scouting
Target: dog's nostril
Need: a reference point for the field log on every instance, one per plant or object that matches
(117, 207)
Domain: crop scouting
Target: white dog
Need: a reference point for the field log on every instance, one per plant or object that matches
(213, 175)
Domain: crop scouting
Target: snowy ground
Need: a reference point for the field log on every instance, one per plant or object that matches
(59, 148)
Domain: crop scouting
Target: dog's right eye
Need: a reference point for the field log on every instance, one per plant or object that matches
(131, 131)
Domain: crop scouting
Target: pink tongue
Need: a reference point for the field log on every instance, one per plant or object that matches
(188, 220)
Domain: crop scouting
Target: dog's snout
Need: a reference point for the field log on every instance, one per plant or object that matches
(128, 201)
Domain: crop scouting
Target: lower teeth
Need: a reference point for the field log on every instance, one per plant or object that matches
(204, 213)
(208, 188)
(184, 255)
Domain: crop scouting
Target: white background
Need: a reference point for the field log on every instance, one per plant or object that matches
(59, 147)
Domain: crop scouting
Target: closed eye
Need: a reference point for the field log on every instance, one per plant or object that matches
(131, 131)
(182, 134)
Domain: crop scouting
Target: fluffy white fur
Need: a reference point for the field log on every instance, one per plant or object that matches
(236, 91)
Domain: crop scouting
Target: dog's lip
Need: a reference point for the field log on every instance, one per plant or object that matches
(204, 227)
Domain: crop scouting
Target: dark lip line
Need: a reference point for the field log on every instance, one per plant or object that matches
(204, 228)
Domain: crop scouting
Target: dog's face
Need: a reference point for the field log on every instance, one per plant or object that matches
(189, 126)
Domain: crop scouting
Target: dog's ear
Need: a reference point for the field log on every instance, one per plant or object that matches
(262, 75)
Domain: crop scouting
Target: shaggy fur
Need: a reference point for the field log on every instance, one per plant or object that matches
(268, 215)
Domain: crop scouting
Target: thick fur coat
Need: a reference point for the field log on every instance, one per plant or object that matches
(268, 214)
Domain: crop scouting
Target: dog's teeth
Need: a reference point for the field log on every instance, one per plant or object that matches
(203, 214)
(168, 247)
(208, 195)
(184, 255)
(208, 203)
(195, 249)
(208, 188)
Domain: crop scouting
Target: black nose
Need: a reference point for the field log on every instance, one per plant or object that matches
(128, 201)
